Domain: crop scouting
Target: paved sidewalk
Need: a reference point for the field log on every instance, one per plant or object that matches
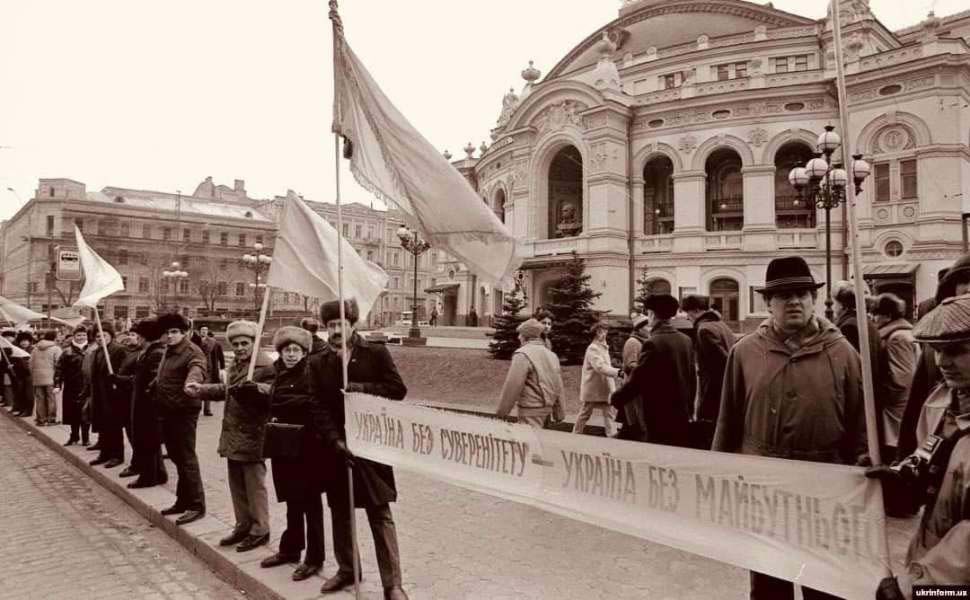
(65, 537)
(455, 544)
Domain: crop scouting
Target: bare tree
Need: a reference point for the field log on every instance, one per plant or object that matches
(206, 284)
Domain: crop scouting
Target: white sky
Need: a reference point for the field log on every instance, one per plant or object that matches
(158, 95)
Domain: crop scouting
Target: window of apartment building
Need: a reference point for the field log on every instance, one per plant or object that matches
(242, 239)
(801, 62)
(143, 285)
(142, 312)
(205, 236)
(124, 281)
(184, 260)
(881, 171)
(223, 239)
(122, 257)
(121, 312)
(99, 228)
(395, 258)
(397, 283)
(240, 289)
(163, 286)
(124, 229)
(50, 225)
(731, 71)
(370, 255)
(358, 231)
(186, 235)
(785, 64)
(907, 179)
(371, 232)
(222, 288)
(166, 233)
(671, 80)
(32, 287)
(146, 231)
(259, 239)
(142, 258)
(183, 286)
(346, 230)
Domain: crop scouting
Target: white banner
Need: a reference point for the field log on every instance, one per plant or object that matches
(819, 525)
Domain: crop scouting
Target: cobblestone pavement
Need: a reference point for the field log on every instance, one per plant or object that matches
(64, 536)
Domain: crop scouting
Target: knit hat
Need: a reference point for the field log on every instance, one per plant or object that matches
(639, 321)
(148, 328)
(958, 273)
(530, 329)
(331, 310)
(947, 323)
(664, 306)
(173, 321)
(241, 328)
(292, 335)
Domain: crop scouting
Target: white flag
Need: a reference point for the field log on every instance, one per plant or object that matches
(394, 162)
(15, 352)
(100, 278)
(305, 260)
(17, 314)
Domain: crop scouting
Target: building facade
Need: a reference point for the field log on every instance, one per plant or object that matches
(661, 145)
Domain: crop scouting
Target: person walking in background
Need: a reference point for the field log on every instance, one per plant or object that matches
(793, 390)
(664, 381)
(300, 478)
(629, 415)
(713, 340)
(23, 383)
(545, 318)
(313, 327)
(433, 321)
(216, 362)
(846, 319)
(598, 381)
(183, 363)
(43, 361)
(107, 418)
(146, 430)
(898, 359)
(241, 441)
(533, 384)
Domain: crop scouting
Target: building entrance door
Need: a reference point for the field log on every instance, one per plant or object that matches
(724, 299)
(450, 312)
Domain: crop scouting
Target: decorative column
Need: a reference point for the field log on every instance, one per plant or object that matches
(759, 208)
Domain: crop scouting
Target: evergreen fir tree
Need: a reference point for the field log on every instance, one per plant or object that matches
(505, 340)
(572, 313)
(643, 290)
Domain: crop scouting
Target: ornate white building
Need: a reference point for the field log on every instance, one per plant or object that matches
(662, 144)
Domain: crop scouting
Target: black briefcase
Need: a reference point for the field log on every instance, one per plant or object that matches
(283, 440)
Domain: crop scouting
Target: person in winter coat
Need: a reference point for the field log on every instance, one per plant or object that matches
(108, 410)
(793, 390)
(43, 361)
(69, 378)
(123, 389)
(937, 554)
(629, 415)
(23, 382)
(6, 367)
(370, 370)
(898, 361)
(313, 327)
(533, 384)
(664, 382)
(244, 420)
(846, 319)
(713, 340)
(216, 362)
(598, 381)
(183, 363)
(146, 435)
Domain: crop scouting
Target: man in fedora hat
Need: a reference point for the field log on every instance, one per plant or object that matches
(792, 389)
(663, 384)
(938, 554)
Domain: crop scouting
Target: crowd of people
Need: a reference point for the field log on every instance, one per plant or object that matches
(791, 389)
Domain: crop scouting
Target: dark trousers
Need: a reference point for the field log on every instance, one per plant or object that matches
(766, 587)
(151, 467)
(385, 542)
(80, 432)
(111, 439)
(178, 433)
(24, 397)
(307, 509)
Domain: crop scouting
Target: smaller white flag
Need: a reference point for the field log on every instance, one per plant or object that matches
(305, 260)
(17, 314)
(15, 352)
(100, 278)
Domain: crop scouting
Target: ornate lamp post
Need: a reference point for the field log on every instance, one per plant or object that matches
(174, 277)
(258, 263)
(823, 183)
(416, 247)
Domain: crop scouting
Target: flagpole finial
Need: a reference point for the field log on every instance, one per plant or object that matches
(338, 25)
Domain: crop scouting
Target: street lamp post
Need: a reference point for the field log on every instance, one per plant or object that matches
(416, 247)
(258, 262)
(174, 276)
(823, 183)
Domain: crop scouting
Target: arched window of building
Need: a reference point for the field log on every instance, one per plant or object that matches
(791, 210)
(725, 191)
(500, 205)
(566, 193)
(724, 298)
(658, 196)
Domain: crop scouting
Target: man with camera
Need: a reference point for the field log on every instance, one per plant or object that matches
(938, 473)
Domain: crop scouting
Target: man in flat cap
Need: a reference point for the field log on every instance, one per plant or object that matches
(939, 473)
(664, 382)
(184, 363)
(371, 370)
(792, 389)
(533, 384)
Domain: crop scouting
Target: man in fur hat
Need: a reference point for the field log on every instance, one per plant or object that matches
(533, 385)
(241, 440)
(184, 363)
(792, 389)
(146, 440)
(938, 553)
(107, 416)
(371, 370)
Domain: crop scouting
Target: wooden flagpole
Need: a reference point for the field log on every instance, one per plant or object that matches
(104, 346)
(259, 332)
(872, 433)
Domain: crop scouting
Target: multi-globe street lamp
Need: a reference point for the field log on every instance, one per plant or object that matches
(174, 277)
(257, 262)
(823, 184)
(416, 247)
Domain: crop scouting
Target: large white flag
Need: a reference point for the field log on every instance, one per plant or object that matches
(392, 160)
(100, 278)
(17, 314)
(305, 260)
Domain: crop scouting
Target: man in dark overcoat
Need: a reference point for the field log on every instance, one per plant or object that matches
(146, 432)
(663, 381)
(371, 370)
(183, 363)
(122, 385)
(713, 340)
(106, 416)
(69, 377)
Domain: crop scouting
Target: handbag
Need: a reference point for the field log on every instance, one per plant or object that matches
(282, 440)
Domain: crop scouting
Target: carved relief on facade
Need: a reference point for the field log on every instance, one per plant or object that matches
(603, 157)
(520, 175)
(892, 139)
(757, 137)
(595, 121)
(560, 115)
(687, 143)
